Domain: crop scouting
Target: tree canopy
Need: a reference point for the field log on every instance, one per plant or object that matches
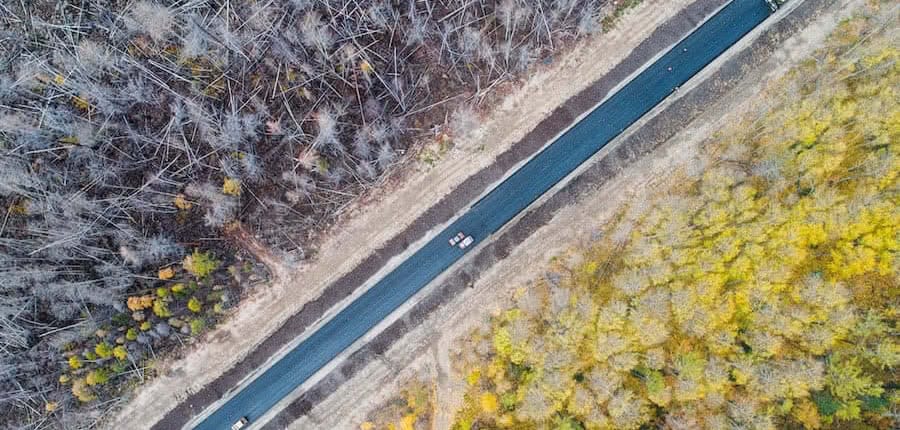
(761, 294)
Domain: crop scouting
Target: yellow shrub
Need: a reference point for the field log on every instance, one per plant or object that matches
(166, 273)
(194, 305)
(181, 202)
(408, 422)
(74, 362)
(231, 187)
(489, 403)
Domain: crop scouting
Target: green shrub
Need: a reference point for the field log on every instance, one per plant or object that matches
(197, 326)
(194, 305)
(103, 350)
(200, 264)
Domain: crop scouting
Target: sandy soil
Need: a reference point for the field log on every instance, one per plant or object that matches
(424, 352)
(265, 309)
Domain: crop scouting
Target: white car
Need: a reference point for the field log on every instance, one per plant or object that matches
(239, 424)
(466, 242)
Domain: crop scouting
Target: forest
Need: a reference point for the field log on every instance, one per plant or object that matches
(762, 293)
(137, 136)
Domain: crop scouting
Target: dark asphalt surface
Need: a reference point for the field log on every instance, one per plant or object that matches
(493, 211)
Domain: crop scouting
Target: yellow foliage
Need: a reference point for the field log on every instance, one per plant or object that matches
(120, 353)
(181, 202)
(366, 67)
(103, 350)
(82, 391)
(489, 403)
(496, 369)
(505, 421)
(194, 305)
(408, 422)
(200, 264)
(412, 410)
(20, 207)
(502, 342)
(137, 303)
(96, 377)
(474, 377)
(74, 362)
(744, 289)
(231, 187)
(81, 103)
(166, 273)
(160, 309)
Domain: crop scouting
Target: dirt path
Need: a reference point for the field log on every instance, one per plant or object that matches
(277, 267)
(360, 245)
(583, 210)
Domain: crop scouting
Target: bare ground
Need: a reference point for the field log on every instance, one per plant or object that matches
(369, 229)
(418, 344)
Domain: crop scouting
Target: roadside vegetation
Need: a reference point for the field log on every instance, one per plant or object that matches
(135, 135)
(413, 409)
(760, 292)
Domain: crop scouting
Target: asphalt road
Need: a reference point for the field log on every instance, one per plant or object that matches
(497, 208)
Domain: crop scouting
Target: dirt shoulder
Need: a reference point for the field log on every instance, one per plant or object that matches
(375, 236)
(634, 166)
